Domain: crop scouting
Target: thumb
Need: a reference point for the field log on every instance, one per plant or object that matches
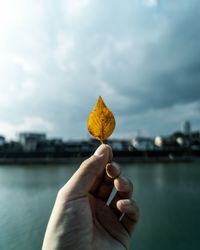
(86, 175)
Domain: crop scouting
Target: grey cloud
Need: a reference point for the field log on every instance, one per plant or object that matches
(169, 72)
(143, 61)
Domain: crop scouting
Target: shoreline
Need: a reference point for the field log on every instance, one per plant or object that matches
(67, 160)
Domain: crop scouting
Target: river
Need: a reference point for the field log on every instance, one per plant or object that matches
(168, 196)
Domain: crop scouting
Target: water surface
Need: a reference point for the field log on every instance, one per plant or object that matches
(168, 196)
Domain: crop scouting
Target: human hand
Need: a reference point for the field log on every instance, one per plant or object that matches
(81, 218)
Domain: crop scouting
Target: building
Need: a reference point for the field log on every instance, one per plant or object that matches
(143, 143)
(2, 140)
(29, 141)
(186, 127)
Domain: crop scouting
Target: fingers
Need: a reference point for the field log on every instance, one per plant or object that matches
(124, 189)
(123, 206)
(106, 186)
(90, 172)
(131, 214)
(113, 170)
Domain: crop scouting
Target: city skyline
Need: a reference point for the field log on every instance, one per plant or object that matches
(58, 57)
(185, 128)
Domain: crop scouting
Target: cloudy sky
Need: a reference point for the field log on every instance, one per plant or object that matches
(57, 57)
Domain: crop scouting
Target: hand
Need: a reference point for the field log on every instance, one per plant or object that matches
(81, 218)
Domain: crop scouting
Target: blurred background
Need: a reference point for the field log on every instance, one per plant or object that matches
(142, 57)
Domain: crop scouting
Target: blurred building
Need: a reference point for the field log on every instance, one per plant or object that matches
(120, 145)
(158, 141)
(143, 143)
(186, 127)
(29, 141)
(2, 140)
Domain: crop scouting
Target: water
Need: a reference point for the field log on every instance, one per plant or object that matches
(168, 196)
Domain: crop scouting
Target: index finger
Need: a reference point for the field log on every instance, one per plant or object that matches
(89, 174)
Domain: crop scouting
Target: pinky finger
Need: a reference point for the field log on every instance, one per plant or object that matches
(131, 214)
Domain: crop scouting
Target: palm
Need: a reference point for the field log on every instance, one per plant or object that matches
(104, 230)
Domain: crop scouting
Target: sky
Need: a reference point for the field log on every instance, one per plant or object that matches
(58, 57)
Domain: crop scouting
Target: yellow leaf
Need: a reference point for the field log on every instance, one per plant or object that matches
(101, 122)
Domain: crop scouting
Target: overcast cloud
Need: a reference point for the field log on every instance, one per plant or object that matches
(57, 57)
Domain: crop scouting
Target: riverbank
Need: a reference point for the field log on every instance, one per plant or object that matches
(134, 156)
(48, 160)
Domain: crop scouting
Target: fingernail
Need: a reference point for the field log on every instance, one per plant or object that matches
(124, 180)
(126, 202)
(100, 150)
(116, 166)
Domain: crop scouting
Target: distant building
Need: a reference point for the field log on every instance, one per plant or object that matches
(186, 127)
(158, 141)
(120, 145)
(174, 141)
(143, 143)
(29, 141)
(2, 140)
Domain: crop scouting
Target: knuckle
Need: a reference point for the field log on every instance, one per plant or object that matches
(60, 192)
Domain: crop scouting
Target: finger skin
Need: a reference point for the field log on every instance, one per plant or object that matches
(131, 214)
(89, 173)
(113, 170)
(80, 214)
(105, 188)
(124, 189)
(124, 186)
